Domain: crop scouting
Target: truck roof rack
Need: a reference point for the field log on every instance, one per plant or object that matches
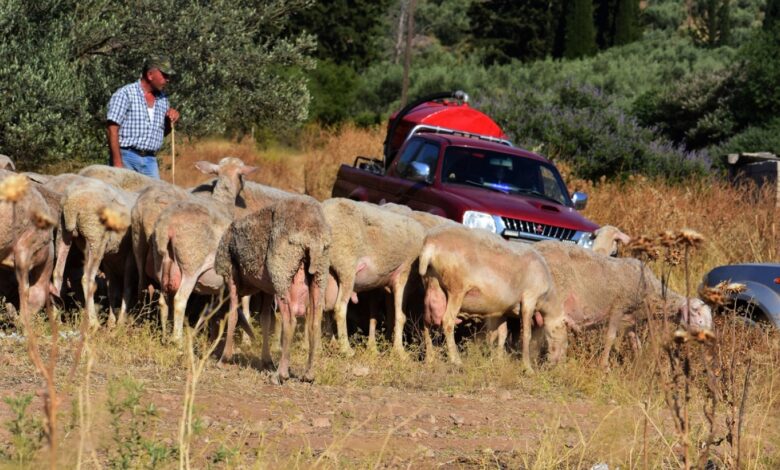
(444, 130)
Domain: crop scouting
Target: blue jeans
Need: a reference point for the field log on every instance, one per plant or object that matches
(144, 165)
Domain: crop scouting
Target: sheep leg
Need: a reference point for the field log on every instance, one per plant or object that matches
(448, 324)
(374, 308)
(180, 304)
(288, 328)
(527, 312)
(314, 329)
(430, 354)
(243, 318)
(88, 283)
(127, 290)
(277, 336)
(22, 270)
(63, 248)
(164, 299)
(399, 283)
(340, 313)
(266, 318)
(610, 336)
(497, 331)
(113, 295)
(227, 352)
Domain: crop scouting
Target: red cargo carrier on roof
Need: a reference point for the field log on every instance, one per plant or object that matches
(448, 115)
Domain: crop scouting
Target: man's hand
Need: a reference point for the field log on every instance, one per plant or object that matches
(172, 115)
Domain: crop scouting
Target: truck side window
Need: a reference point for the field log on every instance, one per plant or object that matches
(429, 155)
(551, 186)
(408, 154)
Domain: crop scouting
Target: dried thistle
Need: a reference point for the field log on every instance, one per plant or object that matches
(113, 219)
(13, 188)
(681, 336)
(689, 238)
(734, 287)
(713, 296)
(42, 220)
(667, 239)
(673, 256)
(643, 246)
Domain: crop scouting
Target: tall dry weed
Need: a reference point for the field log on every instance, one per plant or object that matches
(327, 151)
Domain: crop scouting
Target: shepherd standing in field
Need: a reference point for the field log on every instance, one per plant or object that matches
(139, 117)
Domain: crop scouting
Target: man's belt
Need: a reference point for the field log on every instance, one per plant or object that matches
(143, 153)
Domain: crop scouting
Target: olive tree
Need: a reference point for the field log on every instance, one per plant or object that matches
(237, 64)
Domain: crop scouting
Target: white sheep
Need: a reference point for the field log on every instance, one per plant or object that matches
(123, 178)
(371, 248)
(186, 235)
(595, 289)
(26, 240)
(475, 272)
(96, 215)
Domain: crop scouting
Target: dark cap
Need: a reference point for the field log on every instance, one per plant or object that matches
(161, 63)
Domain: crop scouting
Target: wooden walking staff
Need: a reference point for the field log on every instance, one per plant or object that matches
(173, 153)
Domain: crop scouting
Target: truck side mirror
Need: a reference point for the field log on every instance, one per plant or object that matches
(418, 171)
(580, 200)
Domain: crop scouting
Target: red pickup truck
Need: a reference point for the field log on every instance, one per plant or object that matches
(446, 158)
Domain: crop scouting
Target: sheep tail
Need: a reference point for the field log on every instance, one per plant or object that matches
(425, 258)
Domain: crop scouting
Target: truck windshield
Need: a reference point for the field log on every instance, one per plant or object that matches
(510, 174)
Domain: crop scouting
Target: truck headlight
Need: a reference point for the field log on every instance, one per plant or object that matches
(584, 239)
(474, 219)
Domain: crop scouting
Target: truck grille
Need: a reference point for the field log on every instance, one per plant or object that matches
(516, 228)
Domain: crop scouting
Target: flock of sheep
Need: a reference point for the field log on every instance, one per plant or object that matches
(268, 249)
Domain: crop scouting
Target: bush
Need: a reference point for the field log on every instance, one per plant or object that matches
(764, 138)
(596, 137)
(695, 112)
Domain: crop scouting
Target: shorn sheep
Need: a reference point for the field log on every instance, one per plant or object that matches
(475, 272)
(371, 248)
(26, 240)
(595, 289)
(282, 251)
(86, 206)
(186, 236)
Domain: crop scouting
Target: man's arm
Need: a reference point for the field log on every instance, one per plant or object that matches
(112, 131)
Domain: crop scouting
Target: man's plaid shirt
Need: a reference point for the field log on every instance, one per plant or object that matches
(128, 109)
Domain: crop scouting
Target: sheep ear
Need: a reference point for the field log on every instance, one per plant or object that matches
(246, 170)
(622, 238)
(207, 167)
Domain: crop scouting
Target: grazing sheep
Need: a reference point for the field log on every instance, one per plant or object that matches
(6, 163)
(607, 239)
(595, 289)
(478, 273)
(26, 240)
(186, 236)
(84, 205)
(371, 248)
(128, 180)
(151, 202)
(280, 250)
(426, 219)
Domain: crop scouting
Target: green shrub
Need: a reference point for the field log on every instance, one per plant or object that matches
(764, 138)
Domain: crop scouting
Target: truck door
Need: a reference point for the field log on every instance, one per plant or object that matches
(415, 194)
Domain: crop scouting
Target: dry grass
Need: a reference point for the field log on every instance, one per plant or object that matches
(571, 416)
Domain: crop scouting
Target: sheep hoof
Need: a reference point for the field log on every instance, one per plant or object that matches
(347, 351)
(308, 377)
(266, 364)
(275, 379)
